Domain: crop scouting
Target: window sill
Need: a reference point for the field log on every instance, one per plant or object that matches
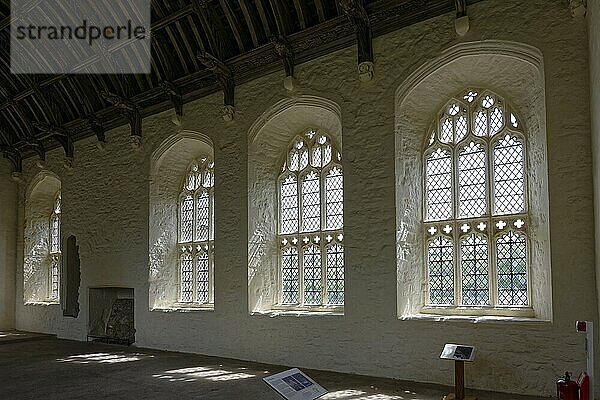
(184, 308)
(475, 319)
(276, 312)
(42, 303)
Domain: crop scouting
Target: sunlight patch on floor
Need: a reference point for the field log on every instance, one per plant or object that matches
(212, 374)
(104, 358)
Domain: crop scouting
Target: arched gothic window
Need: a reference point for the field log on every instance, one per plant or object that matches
(196, 234)
(475, 212)
(54, 245)
(311, 203)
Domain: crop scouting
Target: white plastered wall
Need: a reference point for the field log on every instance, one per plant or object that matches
(9, 191)
(593, 20)
(106, 203)
(508, 68)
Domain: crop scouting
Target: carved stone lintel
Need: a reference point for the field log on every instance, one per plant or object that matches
(136, 142)
(578, 8)
(365, 71)
(462, 25)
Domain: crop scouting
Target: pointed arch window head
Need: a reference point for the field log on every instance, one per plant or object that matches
(475, 205)
(54, 246)
(196, 233)
(310, 228)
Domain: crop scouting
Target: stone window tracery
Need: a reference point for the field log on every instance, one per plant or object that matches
(475, 211)
(196, 234)
(310, 204)
(55, 251)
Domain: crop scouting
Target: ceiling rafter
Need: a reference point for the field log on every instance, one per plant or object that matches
(237, 32)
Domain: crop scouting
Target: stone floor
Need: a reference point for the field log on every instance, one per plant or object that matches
(47, 368)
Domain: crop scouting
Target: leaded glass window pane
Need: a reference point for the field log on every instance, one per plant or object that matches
(496, 121)
(289, 205)
(202, 278)
(55, 235)
(511, 255)
(474, 190)
(54, 277)
(202, 216)
(335, 274)
(186, 218)
(187, 277)
(290, 273)
(474, 270)
(334, 197)
(439, 185)
(311, 222)
(480, 123)
(472, 181)
(311, 260)
(441, 271)
(509, 178)
(196, 227)
(311, 202)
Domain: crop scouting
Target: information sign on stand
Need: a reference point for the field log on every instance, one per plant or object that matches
(459, 353)
(294, 384)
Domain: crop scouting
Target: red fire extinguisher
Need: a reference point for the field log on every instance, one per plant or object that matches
(566, 389)
(584, 386)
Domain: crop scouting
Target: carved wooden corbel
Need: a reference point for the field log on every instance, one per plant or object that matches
(99, 131)
(39, 149)
(358, 17)
(174, 94)
(14, 156)
(133, 113)
(461, 23)
(63, 137)
(286, 53)
(224, 76)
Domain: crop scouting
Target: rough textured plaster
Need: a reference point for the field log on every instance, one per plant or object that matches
(106, 203)
(8, 246)
(593, 19)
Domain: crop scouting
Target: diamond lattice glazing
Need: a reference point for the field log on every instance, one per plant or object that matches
(441, 271)
(335, 274)
(311, 203)
(439, 185)
(474, 270)
(289, 205)
(511, 255)
(472, 181)
(311, 260)
(509, 197)
(334, 197)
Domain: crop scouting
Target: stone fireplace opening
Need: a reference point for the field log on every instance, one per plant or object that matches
(111, 315)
